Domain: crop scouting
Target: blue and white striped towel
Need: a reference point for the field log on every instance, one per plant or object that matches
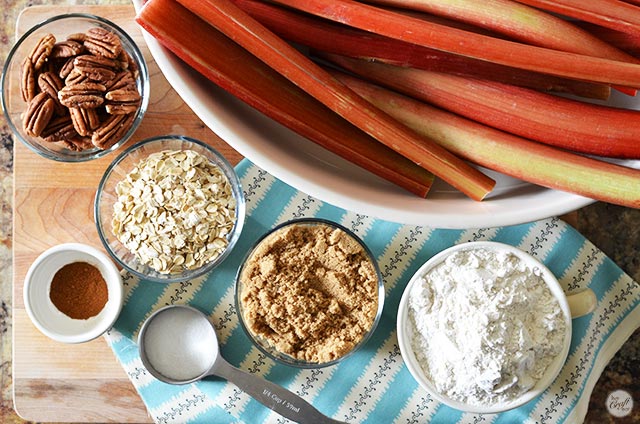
(374, 385)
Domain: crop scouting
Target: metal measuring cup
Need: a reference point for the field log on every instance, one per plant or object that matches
(273, 396)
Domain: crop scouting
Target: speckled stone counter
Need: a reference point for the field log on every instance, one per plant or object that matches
(613, 229)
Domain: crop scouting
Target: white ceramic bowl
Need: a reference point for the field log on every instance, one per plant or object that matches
(44, 314)
(405, 331)
(315, 171)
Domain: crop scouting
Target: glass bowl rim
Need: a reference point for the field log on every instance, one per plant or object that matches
(283, 358)
(236, 189)
(137, 56)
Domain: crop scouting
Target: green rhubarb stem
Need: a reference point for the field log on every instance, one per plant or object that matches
(570, 124)
(217, 57)
(612, 14)
(509, 154)
(429, 34)
(249, 33)
(326, 36)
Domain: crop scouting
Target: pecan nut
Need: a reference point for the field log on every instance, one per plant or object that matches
(83, 95)
(66, 49)
(59, 129)
(39, 113)
(132, 65)
(27, 80)
(84, 120)
(51, 84)
(77, 144)
(122, 101)
(66, 69)
(95, 68)
(75, 77)
(42, 50)
(112, 130)
(102, 42)
(122, 80)
(77, 36)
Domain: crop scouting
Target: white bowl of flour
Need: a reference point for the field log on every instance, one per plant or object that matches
(484, 327)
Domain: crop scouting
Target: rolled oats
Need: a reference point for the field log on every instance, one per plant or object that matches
(175, 211)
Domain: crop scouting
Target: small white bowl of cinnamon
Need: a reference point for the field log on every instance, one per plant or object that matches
(73, 293)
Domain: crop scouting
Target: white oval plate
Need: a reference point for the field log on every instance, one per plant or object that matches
(315, 171)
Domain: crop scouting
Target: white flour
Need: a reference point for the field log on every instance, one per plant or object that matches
(485, 326)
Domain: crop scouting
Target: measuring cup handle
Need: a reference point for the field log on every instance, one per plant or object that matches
(271, 395)
(582, 303)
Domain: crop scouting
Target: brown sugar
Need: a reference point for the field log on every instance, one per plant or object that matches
(310, 290)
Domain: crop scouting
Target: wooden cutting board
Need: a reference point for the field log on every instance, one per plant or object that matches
(53, 204)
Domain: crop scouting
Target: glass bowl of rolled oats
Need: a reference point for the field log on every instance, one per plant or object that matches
(169, 209)
(74, 87)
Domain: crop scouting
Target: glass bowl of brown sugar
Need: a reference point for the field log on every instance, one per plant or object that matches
(309, 293)
(73, 293)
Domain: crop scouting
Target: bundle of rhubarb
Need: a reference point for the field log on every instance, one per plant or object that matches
(412, 89)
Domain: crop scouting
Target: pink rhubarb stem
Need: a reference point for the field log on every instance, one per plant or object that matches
(429, 34)
(570, 124)
(612, 14)
(515, 156)
(246, 31)
(217, 57)
(326, 36)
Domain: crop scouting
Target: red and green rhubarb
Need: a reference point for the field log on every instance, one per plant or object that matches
(279, 55)
(396, 25)
(326, 36)
(614, 14)
(624, 41)
(506, 153)
(243, 75)
(570, 124)
(517, 21)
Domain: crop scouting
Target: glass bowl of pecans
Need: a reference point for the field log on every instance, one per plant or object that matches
(74, 87)
(169, 209)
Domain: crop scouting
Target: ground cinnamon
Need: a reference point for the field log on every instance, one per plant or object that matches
(79, 290)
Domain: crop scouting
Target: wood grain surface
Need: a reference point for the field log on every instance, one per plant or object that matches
(54, 204)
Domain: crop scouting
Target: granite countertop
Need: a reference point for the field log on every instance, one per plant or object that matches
(615, 230)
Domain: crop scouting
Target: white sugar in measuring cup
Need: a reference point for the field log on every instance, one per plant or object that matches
(178, 345)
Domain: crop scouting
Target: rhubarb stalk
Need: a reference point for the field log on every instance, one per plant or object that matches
(243, 75)
(249, 33)
(326, 36)
(625, 41)
(509, 154)
(566, 123)
(614, 14)
(429, 34)
(519, 22)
